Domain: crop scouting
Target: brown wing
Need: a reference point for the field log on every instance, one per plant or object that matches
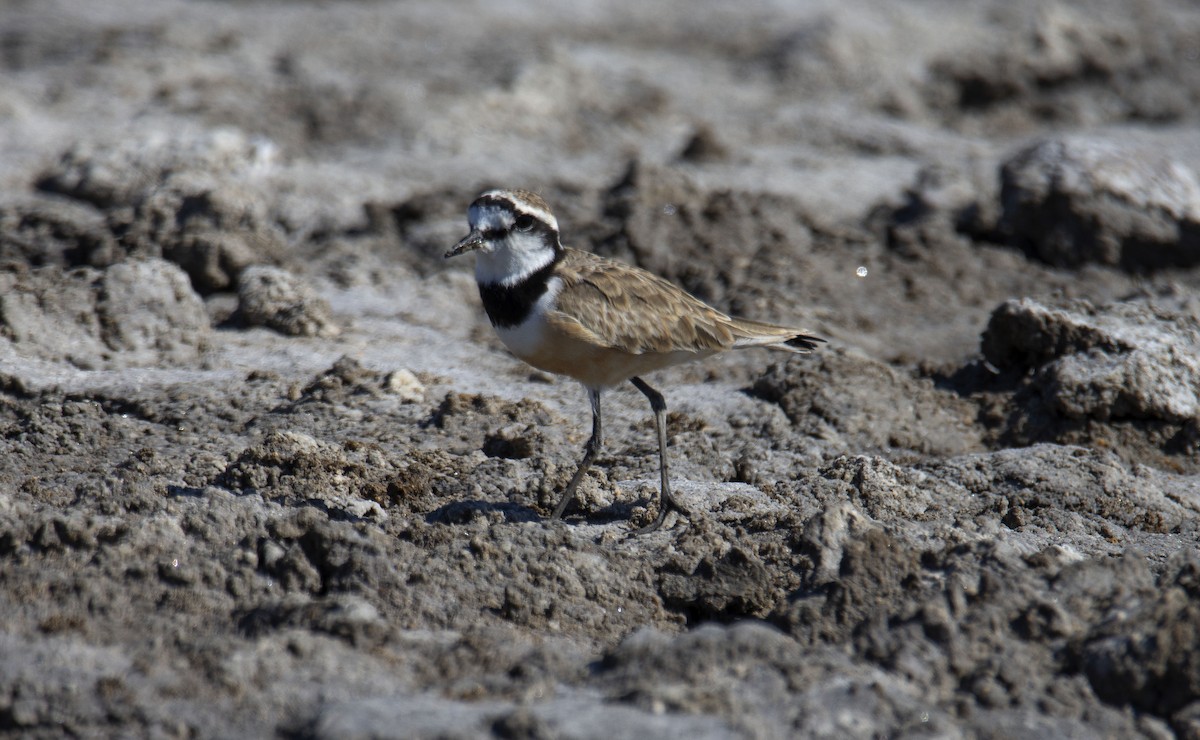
(616, 305)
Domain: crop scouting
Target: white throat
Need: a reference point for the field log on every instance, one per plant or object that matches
(509, 263)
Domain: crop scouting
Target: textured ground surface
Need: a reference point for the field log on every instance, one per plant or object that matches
(264, 469)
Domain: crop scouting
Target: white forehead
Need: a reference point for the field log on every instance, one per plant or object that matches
(484, 216)
(499, 209)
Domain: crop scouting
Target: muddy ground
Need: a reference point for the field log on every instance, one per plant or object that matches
(265, 470)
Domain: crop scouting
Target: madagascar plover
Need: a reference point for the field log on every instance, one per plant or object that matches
(592, 319)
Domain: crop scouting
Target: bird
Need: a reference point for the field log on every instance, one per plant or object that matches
(599, 321)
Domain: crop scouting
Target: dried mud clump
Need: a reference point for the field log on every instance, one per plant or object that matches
(848, 399)
(131, 314)
(212, 229)
(1070, 202)
(723, 246)
(232, 532)
(1124, 374)
(297, 467)
(275, 298)
(1068, 64)
(1145, 655)
(43, 231)
(304, 455)
(185, 197)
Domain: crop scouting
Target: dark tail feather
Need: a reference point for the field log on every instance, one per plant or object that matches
(804, 342)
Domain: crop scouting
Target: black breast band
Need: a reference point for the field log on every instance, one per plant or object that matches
(509, 305)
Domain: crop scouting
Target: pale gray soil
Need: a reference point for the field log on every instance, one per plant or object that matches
(265, 469)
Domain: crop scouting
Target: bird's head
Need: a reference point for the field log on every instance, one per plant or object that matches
(513, 233)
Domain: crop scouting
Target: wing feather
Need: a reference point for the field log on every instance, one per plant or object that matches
(617, 305)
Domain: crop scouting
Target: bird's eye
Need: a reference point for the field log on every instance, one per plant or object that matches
(524, 223)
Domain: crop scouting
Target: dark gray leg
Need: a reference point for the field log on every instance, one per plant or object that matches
(666, 501)
(589, 454)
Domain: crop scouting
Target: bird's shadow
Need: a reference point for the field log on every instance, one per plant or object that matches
(185, 492)
(461, 512)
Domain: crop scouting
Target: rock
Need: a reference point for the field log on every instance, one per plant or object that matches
(1069, 202)
(405, 385)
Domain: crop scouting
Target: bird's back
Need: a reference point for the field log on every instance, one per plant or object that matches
(625, 307)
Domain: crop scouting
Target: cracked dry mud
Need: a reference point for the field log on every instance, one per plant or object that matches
(265, 469)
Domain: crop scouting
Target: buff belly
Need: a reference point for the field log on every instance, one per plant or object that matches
(542, 346)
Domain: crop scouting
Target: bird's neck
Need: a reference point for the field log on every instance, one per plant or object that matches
(509, 302)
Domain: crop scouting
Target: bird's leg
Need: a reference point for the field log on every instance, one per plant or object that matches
(589, 454)
(666, 502)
